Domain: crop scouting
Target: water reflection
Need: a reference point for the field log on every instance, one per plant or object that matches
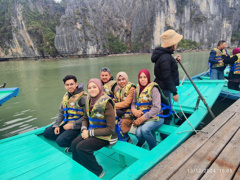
(41, 86)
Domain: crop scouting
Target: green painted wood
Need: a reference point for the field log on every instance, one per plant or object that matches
(38, 158)
(128, 161)
(143, 165)
(128, 149)
(167, 129)
(7, 93)
(68, 170)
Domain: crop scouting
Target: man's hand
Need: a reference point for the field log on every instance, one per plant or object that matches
(67, 126)
(57, 130)
(225, 54)
(175, 97)
(84, 134)
(177, 57)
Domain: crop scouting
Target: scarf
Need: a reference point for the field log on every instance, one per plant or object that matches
(124, 75)
(146, 72)
(93, 100)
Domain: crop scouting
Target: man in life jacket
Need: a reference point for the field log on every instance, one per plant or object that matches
(109, 84)
(217, 65)
(234, 74)
(68, 124)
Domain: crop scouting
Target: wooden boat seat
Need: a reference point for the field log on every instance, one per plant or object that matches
(166, 129)
(125, 149)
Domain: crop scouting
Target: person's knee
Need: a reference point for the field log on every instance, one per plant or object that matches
(62, 142)
(48, 133)
(74, 143)
(146, 130)
(138, 132)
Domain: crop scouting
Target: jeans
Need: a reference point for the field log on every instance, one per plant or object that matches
(64, 138)
(82, 152)
(144, 132)
(216, 74)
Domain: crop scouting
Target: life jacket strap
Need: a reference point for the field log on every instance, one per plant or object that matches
(96, 120)
(73, 119)
(68, 114)
(79, 110)
(164, 107)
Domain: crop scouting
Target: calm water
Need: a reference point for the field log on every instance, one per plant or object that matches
(41, 86)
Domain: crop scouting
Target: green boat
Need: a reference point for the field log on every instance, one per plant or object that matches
(8, 93)
(31, 156)
(225, 93)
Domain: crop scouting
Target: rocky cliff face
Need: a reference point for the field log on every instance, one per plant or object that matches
(86, 25)
(27, 24)
(139, 23)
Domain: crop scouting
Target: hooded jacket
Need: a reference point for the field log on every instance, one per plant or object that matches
(76, 124)
(165, 69)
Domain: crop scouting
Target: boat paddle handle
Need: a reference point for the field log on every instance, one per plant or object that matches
(200, 95)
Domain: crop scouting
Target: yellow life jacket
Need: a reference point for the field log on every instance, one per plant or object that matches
(236, 66)
(144, 99)
(108, 88)
(97, 118)
(121, 95)
(218, 57)
(72, 111)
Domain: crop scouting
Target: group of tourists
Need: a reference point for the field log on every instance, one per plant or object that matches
(110, 109)
(219, 59)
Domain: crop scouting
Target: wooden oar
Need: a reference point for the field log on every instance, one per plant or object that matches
(200, 95)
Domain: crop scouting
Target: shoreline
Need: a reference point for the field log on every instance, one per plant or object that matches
(89, 56)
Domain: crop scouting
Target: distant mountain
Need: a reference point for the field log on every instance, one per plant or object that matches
(30, 28)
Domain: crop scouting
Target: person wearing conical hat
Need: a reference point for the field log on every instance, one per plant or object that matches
(165, 66)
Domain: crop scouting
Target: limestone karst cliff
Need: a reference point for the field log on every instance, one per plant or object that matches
(92, 26)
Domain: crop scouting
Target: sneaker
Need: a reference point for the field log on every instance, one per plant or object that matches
(68, 150)
(101, 175)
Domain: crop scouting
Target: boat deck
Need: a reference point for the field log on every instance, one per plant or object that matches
(31, 156)
(214, 155)
(225, 93)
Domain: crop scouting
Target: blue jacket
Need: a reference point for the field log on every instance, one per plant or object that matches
(213, 61)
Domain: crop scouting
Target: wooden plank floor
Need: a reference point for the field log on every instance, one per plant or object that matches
(214, 155)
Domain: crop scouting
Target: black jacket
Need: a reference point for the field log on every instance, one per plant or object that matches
(165, 69)
(228, 60)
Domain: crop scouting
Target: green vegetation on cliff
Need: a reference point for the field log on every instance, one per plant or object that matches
(5, 22)
(188, 44)
(115, 45)
(236, 34)
(42, 26)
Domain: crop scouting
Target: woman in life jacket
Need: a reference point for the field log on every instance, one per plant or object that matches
(97, 129)
(145, 107)
(123, 98)
(234, 74)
